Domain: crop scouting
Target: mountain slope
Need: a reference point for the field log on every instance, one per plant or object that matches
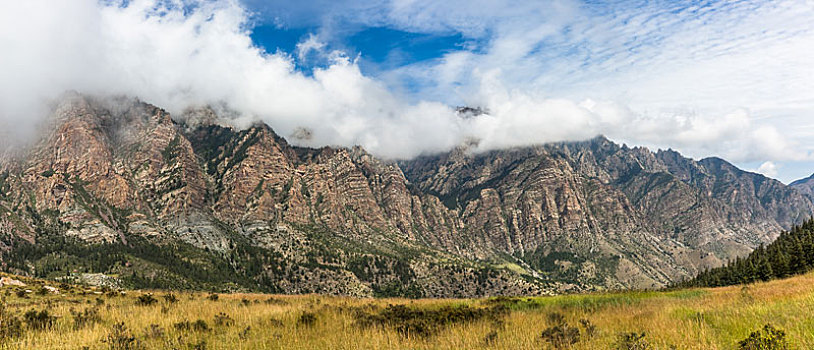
(121, 175)
(791, 254)
(662, 215)
(804, 186)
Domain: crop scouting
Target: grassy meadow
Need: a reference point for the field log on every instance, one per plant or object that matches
(84, 318)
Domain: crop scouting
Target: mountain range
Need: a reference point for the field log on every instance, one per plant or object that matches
(116, 187)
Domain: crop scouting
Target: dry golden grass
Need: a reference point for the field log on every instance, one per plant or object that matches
(686, 319)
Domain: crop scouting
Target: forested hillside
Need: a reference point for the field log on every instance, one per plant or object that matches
(791, 254)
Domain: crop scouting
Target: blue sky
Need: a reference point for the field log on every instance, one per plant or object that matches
(732, 79)
(391, 42)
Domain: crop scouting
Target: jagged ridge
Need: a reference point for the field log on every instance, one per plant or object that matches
(569, 216)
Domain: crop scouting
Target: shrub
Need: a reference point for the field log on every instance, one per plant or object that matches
(223, 319)
(275, 323)
(184, 325)
(418, 322)
(490, 338)
(556, 318)
(212, 297)
(86, 317)
(198, 326)
(39, 320)
(245, 333)
(275, 301)
(561, 336)
(746, 294)
(170, 298)
(146, 300)
(21, 293)
(590, 328)
(120, 338)
(307, 319)
(559, 333)
(10, 325)
(154, 331)
(769, 338)
(632, 341)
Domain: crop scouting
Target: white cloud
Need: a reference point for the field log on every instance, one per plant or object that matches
(176, 60)
(709, 79)
(311, 44)
(549, 71)
(768, 168)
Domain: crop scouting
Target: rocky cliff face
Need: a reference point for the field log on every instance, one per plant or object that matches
(559, 217)
(804, 186)
(638, 218)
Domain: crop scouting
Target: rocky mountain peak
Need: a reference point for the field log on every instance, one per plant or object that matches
(558, 217)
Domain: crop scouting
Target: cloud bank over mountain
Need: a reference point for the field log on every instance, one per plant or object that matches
(704, 79)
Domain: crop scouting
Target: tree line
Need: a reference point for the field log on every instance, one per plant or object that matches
(790, 254)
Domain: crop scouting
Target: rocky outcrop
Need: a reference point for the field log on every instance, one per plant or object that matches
(658, 216)
(804, 186)
(550, 218)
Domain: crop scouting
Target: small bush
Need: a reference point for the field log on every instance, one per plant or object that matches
(561, 336)
(10, 325)
(307, 319)
(223, 319)
(154, 331)
(590, 328)
(632, 341)
(184, 325)
(84, 318)
(490, 338)
(556, 318)
(21, 293)
(213, 297)
(559, 333)
(201, 345)
(276, 323)
(146, 300)
(746, 294)
(409, 321)
(170, 298)
(120, 338)
(198, 326)
(275, 301)
(39, 320)
(769, 338)
(245, 333)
